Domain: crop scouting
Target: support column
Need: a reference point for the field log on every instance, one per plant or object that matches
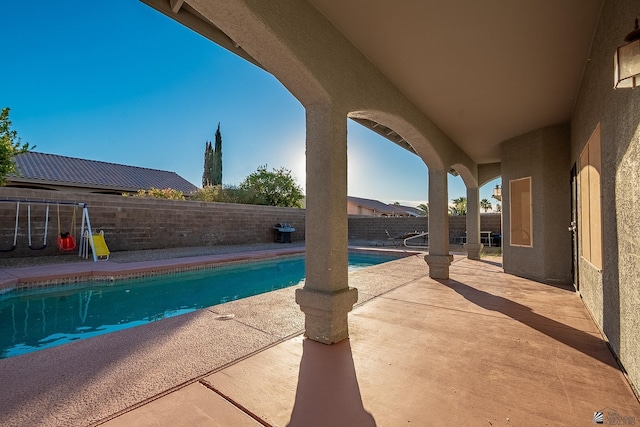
(439, 258)
(326, 297)
(473, 245)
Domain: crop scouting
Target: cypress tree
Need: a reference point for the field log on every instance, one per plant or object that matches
(217, 159)
(207, 176)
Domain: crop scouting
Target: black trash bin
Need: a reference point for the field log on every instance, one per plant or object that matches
(283, 232)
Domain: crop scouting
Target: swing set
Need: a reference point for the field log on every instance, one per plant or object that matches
(66, 240)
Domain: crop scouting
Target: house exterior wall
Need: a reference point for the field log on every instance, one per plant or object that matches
(612, 294)
(542, 155)
(132, 223)
(354, 209)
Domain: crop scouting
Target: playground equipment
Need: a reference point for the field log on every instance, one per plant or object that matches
(46, 228)
(66, 241)
(96, 242)
(15, 232)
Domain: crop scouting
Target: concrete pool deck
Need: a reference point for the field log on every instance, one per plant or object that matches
(482, 348)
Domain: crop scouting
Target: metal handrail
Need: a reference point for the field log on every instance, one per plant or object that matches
(416, 237)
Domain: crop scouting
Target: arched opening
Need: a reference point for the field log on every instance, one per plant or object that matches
(409, 137)
(473, 222)
(384, 171)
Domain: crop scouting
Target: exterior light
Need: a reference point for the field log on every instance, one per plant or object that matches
(626, 61)
(497, 193)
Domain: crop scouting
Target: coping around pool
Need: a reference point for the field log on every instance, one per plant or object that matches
(33, 319)
(57, 274)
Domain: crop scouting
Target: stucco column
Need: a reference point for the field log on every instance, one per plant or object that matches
(473, 245)
(439, 258)
(326, 297)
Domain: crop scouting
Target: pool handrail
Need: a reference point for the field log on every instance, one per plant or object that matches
(423, 234)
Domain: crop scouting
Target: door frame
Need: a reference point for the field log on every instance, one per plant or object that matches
(573, 228)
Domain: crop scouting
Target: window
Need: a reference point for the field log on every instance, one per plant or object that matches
(590, 206)
(520, 212)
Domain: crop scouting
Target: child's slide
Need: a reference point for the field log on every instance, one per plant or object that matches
(99, 246)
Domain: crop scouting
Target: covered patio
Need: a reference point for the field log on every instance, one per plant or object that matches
(481, 348)
(523, 91)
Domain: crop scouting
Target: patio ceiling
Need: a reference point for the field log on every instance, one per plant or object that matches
(483, 71)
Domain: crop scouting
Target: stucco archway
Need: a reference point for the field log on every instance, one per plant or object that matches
(333, 80)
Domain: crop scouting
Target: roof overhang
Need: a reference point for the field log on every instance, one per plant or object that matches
(483, 72)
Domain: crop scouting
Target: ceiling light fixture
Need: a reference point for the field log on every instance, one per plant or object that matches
(627, 61)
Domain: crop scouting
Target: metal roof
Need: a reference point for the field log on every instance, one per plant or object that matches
(53, 169)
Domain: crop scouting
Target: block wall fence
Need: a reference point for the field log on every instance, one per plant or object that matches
(131, 223)
(373, 228)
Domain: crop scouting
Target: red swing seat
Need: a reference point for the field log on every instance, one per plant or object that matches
(66, 242)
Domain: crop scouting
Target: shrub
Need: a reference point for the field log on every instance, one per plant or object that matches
(156, 193)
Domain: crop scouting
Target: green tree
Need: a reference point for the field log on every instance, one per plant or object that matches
(226, 194)
(217, 158)
(459, 206)
(10, 145)
(207, 175)
(424, 207)
(275, 188)
(485, 204)
(212, 174)
(498, 207)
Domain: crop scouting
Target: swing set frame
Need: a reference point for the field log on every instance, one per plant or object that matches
(85, 229)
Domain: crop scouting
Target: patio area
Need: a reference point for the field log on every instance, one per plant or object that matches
(482, 348)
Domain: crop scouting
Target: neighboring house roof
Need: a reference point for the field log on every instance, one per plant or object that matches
(377, 206)
(411, 210)
(42, 169)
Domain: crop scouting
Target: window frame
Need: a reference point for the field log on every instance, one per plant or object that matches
(525, 214)
(590, 196)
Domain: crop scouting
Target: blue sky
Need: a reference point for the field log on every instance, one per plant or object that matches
(119, 82)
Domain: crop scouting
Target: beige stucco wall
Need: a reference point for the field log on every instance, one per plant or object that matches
(613, 295)
(542, 155)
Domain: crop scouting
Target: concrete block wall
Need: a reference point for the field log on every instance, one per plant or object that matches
(132, 223)
(373, 228)
(488, 222)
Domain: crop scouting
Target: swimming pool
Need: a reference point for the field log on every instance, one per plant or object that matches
(35, 319)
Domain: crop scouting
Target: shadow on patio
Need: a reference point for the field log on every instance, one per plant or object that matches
(587, 343)
(328, 393)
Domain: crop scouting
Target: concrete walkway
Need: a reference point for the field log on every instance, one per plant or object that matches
(481, 349)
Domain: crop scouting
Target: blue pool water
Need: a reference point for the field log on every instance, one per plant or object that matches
(35, 319)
